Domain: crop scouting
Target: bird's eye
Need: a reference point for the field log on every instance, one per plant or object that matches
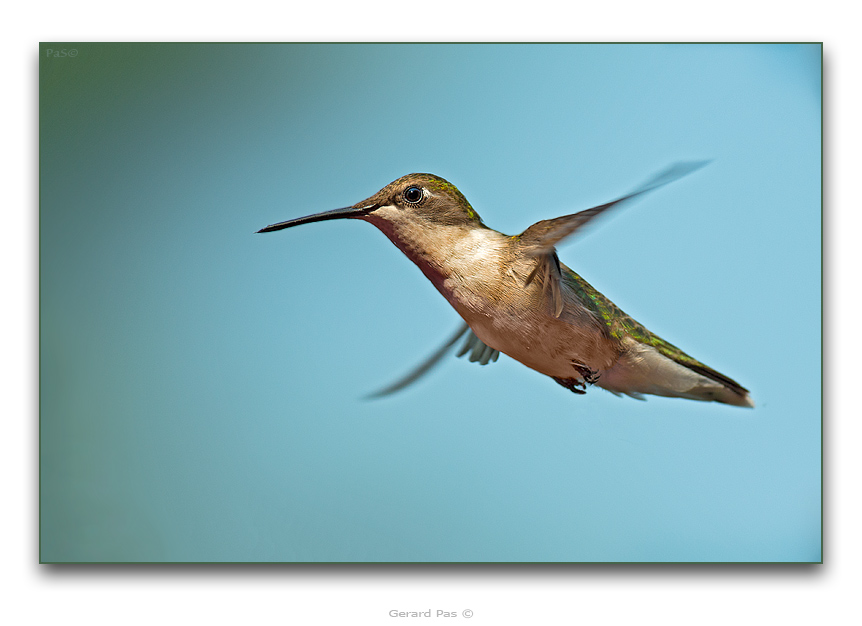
(413, 195)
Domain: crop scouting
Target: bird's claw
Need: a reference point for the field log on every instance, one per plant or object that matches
(579, 385)
(589, 376)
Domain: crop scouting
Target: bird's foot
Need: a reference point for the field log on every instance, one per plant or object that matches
(578, 385)
(589, 376)
(572, 384)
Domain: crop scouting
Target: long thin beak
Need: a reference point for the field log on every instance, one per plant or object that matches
(337, 214)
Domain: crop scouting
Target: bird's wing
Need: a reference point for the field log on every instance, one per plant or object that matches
(541, 237)
(479, 353)
(539, 240)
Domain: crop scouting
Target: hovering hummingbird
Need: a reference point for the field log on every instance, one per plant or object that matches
(517, 298)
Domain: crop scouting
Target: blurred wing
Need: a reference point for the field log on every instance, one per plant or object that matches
(539, 240)
(541, 237)
(479, 353)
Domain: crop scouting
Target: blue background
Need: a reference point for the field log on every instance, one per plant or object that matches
(201, 385)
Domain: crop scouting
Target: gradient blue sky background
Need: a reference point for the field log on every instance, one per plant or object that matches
(201, 385)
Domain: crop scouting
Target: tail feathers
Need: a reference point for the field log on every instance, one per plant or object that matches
(729, 392)
(644, 370)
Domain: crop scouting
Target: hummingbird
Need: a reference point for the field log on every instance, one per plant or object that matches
(516, 297)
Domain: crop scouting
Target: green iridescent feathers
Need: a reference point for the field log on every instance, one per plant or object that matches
(435, 183)
(619, 325)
